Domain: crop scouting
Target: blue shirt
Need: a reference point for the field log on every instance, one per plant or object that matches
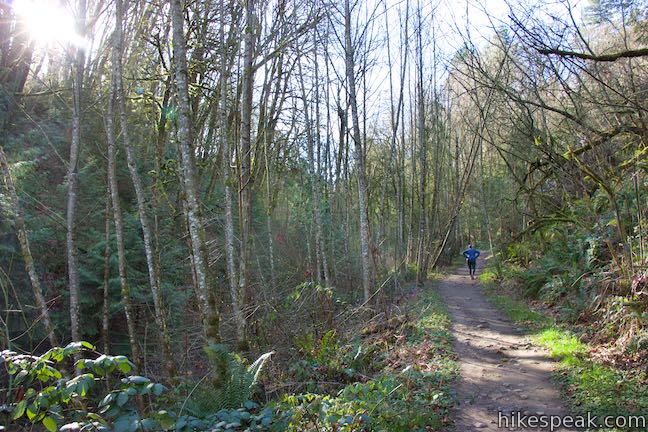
(471, 254)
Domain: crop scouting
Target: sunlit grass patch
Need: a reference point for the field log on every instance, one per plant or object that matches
(488, 274)
(433, 313)
(560, 343)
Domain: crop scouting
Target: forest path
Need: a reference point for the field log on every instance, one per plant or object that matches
(501, 371)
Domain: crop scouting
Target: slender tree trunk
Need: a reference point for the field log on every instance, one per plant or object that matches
(105, 310)
(119, 228)
(422, 142)
(318, 171)
(268, 117)
(154, 276)
(329, 162)
(411, 253)
(395, 120)
(271, 253)
(210, 316)
(484, 199)
(387, 170)
(433, 218)
(157, 189)
(402, 254)
(359, 154)
(268, 133)
(73, 180)
(21, 232)
(314, 179)
(235, 294)
(245, 154)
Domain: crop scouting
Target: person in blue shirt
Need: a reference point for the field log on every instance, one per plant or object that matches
(471, 255)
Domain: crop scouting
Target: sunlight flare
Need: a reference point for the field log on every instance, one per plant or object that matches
(48, 22)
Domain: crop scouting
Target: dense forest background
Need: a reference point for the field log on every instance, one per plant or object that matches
(255, 174)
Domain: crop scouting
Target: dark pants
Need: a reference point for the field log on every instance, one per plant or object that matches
(472, 265)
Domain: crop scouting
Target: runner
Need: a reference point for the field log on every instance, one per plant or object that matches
(471, 255)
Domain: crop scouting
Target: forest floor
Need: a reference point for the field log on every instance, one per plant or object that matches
(501, 371)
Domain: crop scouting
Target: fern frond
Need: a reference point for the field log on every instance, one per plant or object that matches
(234, 381)
(255, 368)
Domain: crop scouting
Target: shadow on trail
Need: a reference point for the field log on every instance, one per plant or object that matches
(501, 371)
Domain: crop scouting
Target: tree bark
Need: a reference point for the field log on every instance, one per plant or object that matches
(210, 316)
(154, 276)
(119, 228)
(245, 153)
(359, 154)
(73, 180)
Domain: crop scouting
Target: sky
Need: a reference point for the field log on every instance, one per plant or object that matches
(455, 21)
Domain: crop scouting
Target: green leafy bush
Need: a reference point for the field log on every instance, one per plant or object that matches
(105, 397)
(42, 392)
(250, 417)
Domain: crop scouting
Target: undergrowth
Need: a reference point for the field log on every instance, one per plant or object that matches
(393, 373)
(411, 389)
(591, 386)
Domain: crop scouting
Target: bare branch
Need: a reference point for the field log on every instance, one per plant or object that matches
(642, 52)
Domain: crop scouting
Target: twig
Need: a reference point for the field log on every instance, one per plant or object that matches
(191, 392)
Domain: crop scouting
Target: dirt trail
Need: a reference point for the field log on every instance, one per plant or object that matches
(500, 369)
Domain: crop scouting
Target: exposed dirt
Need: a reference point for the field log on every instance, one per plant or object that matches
(501, 371)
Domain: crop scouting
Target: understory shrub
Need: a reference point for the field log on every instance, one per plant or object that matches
(104, 396)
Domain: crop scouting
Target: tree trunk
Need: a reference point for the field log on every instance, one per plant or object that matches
(73, 181)
(21, 232)
(359, 154)
(318, 171)
(411, 252)
(105, 310)
(433, 219)
(422, 142)
(119, 227)
(314, 179)
(245, 153)
(154, 276)
(235, 294)
(402, 254)
(395, 114)
(210, 316)
(271, 253)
